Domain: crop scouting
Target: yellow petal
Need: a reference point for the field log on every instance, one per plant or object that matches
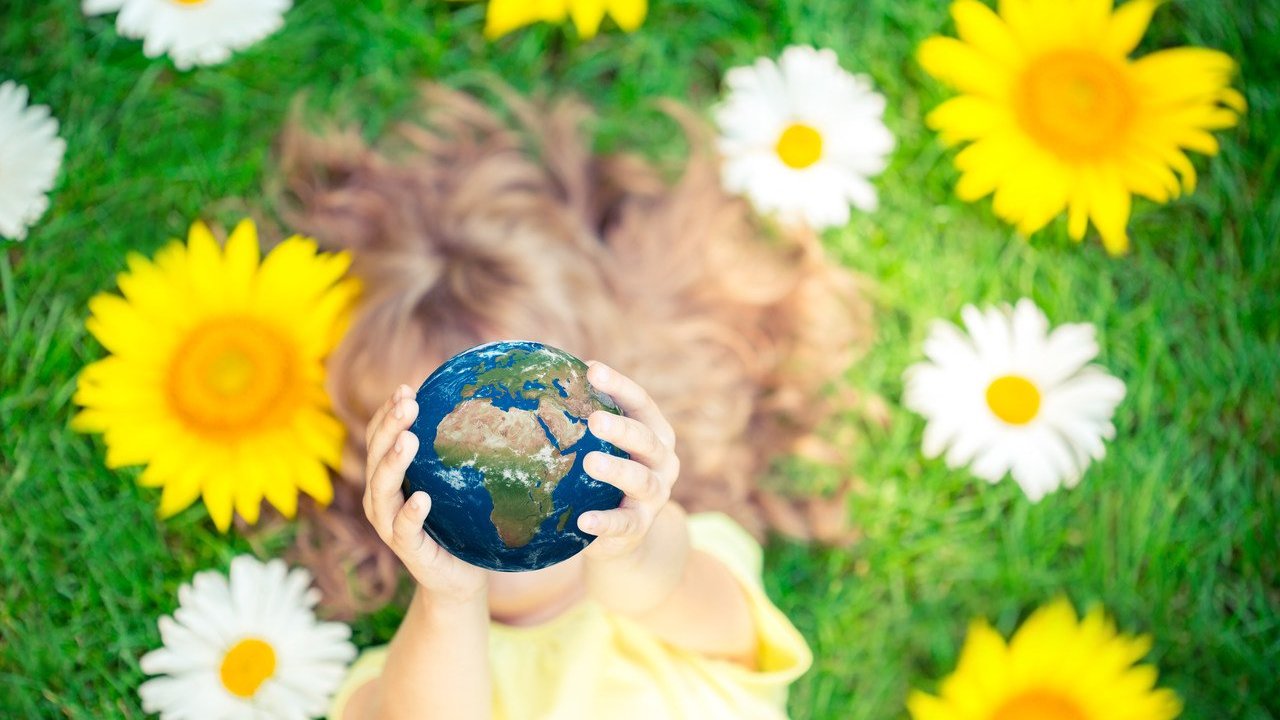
(587, 15)
(168, 463)
(977, 25)
(1035, 192)
(629, 14)
(320, 330)
(1233, 99)
(964, 68)
(1049, 25)
(179, 492)
(90, 421)
(248, 489)
(503, 16)
(123, 450)
(1109, 206)
(1043, 193)
(136, 443)
(321, 434)
(241, 258)
(1078, 216)
(293, 275)
(1127, 26)
(279, 486)
(148, 289)
(205, 266)
(218, 498)
(985, 165)
(1149, 178)
(927, 707)
(313, 479)
(1178, 76)
(968, 117)
(1089, 18)
(1018, 17)
(123, 331)
(983, 648)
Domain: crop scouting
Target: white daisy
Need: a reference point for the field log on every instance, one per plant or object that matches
(1010, 396)
(30, 156)
(251, 648)
(801, 136)
(193, 32)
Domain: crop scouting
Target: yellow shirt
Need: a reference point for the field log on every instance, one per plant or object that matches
(587, 663)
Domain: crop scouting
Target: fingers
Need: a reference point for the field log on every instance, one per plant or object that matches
(383, 497)
(407, 535)
(633, 479)
(400, 393)
(397, 419)
(631, 435)
(623, 522)
(632, 398)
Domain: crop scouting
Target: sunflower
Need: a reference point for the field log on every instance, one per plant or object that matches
(1056, 667)
(1059, 118)
(215, 379)
(503, 16)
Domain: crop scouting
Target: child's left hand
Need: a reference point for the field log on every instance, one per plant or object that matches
(645, 480)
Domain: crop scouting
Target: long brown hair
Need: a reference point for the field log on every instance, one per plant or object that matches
(467, 228)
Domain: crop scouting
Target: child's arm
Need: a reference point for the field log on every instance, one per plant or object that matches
(437, 665)
(641, 564)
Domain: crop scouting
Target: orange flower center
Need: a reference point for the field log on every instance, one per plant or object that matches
(799, 146)
(190, 2)
(1039, 705)
(232, 375)
(1076, 104)
(247, 665)
(1014, 399)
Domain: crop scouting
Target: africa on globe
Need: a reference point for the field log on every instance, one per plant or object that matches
(503, 433)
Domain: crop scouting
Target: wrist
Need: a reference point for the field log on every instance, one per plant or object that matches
(439, 607)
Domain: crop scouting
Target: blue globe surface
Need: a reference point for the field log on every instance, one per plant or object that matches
(503, 432)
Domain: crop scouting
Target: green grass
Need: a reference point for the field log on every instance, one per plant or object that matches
(1175, 532)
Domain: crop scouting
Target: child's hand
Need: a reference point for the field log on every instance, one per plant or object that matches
(645, 479)
(391, 448)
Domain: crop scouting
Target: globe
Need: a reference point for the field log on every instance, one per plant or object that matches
(503, 432)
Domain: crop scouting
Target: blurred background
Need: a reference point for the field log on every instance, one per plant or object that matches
(1175, 532)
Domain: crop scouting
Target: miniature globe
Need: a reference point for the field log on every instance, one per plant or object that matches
(503, 432)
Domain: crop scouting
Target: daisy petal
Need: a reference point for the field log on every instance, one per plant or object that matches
(1010, 395)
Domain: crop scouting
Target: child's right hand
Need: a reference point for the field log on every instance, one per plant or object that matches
(391, 448)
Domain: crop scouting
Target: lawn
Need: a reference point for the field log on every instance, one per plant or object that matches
(1175, 532)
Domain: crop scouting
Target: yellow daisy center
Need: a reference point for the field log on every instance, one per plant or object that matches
(247, 665)
(231, 375)
(190, 2)
(1039, 705)
(1014, 399)
(1077, 104)
(799, 146)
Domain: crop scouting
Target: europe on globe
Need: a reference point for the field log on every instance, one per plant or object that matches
(503, 433)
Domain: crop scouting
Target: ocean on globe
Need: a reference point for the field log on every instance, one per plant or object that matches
(503, 432)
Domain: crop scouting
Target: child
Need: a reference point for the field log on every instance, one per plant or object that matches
(722, 337)
(641, 624)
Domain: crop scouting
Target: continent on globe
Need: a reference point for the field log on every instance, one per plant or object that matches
(510, 419)
(520, 471)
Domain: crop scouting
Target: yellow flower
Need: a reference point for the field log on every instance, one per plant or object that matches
(1056, 667)
(1060, 119)
(215, 378)
(506, 15)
